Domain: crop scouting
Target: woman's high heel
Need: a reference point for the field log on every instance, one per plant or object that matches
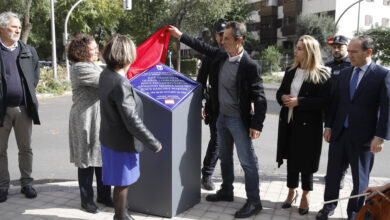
(287, 205)
(302, 211)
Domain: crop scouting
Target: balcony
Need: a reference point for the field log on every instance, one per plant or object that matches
(269, 11)
(292, 7)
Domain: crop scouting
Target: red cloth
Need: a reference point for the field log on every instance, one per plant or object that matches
(150, 53)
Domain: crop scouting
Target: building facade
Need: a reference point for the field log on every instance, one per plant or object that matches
(277, 18)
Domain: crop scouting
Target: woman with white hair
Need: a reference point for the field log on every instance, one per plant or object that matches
(303, 96)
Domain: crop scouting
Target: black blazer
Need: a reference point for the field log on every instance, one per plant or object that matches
(121, 127)
(301, 141)
(249, 83)
(368, 111)
(29, 73)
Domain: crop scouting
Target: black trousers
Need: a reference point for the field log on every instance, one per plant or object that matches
(293, 179)
(85, 176)
(211, 157)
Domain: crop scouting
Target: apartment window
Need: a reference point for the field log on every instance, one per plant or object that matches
(368, 20)
(386, 2)
(385, 22)
(264, 3)
(289, 20)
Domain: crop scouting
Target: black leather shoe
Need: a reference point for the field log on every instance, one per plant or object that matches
(3, 195)
(89, 207)
(126, 217)
(207, 183)
(29, 191)
(220, 196)
(323, 214)
(106, 201)
(248, 210)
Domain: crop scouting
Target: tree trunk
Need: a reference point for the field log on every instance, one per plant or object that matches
(26, 23)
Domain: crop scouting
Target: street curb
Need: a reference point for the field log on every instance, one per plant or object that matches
(52, 95)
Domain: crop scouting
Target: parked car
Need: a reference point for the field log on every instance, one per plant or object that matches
(45, 64)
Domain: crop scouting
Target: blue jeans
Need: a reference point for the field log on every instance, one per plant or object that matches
(231, 130)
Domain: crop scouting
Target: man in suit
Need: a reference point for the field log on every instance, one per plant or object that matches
(235, 82)
(339, 62)
(357, 124)
(19, 75)
(211, 157)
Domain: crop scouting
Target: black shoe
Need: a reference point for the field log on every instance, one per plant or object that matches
(89, 207)
(29, 191)
(106, 201)
(303, 211)
(126, 217)
(287, 205)
(3, 195)
(207, 183)
(323, 214)
(248, 209)
(220, 196)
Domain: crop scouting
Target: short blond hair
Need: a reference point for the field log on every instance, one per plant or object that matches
(119, 52)
(312, 63)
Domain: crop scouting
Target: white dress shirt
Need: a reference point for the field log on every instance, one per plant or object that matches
(295, 88)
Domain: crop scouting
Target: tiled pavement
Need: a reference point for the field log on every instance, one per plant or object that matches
(62, 201)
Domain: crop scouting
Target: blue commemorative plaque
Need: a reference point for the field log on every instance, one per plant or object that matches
(164, 85)
(170, 180)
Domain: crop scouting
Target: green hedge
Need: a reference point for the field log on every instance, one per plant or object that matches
(188, 66)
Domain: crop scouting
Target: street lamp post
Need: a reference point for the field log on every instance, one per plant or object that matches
(335, 26)
(126, 6)
(66, 38)
(53, 40)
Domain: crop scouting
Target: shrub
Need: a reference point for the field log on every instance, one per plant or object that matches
(47, 83)
(270, 58)
(188, 66)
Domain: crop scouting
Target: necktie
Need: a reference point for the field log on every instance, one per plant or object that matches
(353, 83)
(352, 87)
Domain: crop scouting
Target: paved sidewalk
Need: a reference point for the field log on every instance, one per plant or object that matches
(62, 201)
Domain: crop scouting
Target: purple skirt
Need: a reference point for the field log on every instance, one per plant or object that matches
(119, 168)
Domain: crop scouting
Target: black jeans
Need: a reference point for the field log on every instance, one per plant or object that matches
(211, 157)
(85, 176)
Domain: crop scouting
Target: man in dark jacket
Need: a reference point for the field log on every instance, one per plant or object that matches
(19, 72)
(235, 83)
(211, 157)
(340, 59)
(357, 124)
(339, 62)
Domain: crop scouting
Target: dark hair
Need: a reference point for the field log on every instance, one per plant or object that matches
(367, 42)
(78, 50)
(238, 29)
(119, 52)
